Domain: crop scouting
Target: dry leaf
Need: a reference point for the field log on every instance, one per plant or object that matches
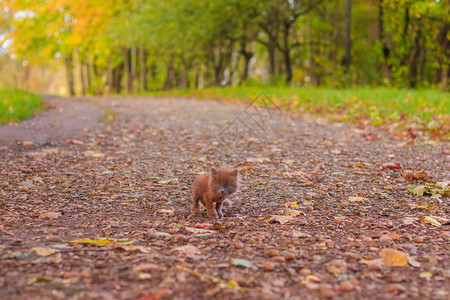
(391, 236)
(27, 143)
(96, 242)
(93, 154)
(394, 258)
(436, 221)
(292, 212)
(426, 275)
(291, 204)
(52, 215)
(278, 219)
(168, 212)
(257, 159)
(357, 199)
(414, 262)
(421, 175)
(43, 251)
(145, 267)
(391, 166)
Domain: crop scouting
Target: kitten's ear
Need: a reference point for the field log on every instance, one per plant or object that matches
(213, 171)
(234, 172)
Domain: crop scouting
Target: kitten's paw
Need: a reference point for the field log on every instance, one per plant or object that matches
(195, 210)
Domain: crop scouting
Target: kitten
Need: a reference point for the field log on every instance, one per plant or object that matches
(212, 188)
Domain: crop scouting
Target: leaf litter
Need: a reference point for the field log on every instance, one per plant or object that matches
(138, 202)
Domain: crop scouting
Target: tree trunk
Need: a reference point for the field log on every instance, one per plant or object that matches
(133, 54)
(127, 69)
(346, 62)
(414, 60)
(143, 63)
(110, 76)
(170, 75)
(247, 55)
(287, 52)
(83, 76)
(69, 74)
(118, 72)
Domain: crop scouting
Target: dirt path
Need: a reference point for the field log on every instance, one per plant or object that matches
(120, 169)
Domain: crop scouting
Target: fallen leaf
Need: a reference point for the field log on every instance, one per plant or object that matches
(27, 143)
(187, 250)
(391, 236)
(299, 234)
(43, 251)
(408, 174)
(168, 212)
(418, 191)
(93, 154)
(96, 242)
(241, 262)
(145, 267)
(394, 258)
(291, 204)
(357, 199)
(203, 225)
(199, 230)
(257, 159)
(76, 142)
(436, 221)
(278, 219)
(426, 275)
(52, 215)
(391, 166)
(292, 212)
(288, 161)
(421, 175)
(133, 248)
(414, 262)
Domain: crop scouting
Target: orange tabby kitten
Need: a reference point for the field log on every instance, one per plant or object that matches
(212, 188)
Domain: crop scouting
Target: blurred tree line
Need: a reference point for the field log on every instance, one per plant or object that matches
(130, 46)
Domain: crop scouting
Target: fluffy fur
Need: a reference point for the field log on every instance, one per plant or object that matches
(212, 188)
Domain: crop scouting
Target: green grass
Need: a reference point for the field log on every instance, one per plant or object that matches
(377, 105)
(17, 105)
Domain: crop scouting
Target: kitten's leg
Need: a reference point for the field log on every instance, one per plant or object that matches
(210, 210)
(219, 209)
(195, 208)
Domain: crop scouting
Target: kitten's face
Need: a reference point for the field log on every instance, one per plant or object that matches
(225, 182)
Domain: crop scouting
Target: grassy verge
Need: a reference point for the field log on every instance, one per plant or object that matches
(427, 109)
(17, 105)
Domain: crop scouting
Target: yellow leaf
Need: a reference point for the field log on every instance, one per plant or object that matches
(96, 242)
(435, 221)
(357, 199)
(292, 212)
(394, 258)
(425, 275)
(291, 204)
(93, 154)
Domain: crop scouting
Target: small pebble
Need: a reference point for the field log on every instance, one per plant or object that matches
(346, 285)
(305, 271)
(268, 266)
(289, 256)
(418, 239)
(279, 259)
(37, 202)
(238, 245)
(395, 287)
(326, 291)
(273, 252)
(179, 237)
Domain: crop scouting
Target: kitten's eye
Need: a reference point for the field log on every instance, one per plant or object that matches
(227, 185)
(217, 185)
